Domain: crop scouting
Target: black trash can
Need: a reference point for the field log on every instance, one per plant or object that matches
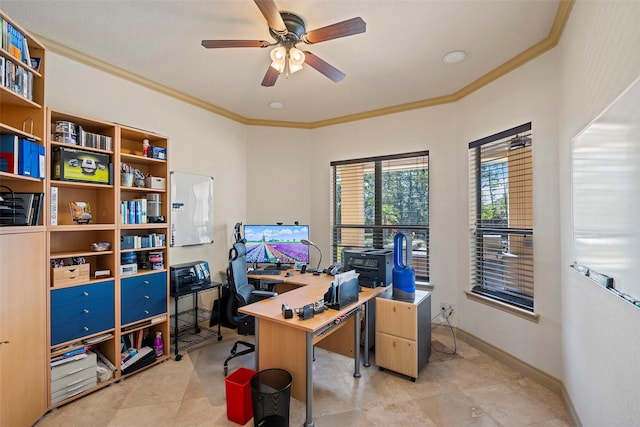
(270, 398)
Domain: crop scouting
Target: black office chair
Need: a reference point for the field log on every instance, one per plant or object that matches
(242, 293)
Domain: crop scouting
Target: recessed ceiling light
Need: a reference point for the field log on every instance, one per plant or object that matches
(276, 105)
(454, 57)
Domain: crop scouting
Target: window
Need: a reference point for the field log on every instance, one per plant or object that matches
(374, 198)
(501, 217)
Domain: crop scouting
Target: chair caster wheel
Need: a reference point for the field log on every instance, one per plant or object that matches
(178, 357)
(381, 368)
(197, 330)
(220, 338)
(225, 371)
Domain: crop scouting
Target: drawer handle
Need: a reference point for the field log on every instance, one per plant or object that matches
(146, 312)
(146, 297)
(146, 282)
(86, 329)
(86, 311)
(394, 308)
(394, 343)
(85, 293)
(4, 342)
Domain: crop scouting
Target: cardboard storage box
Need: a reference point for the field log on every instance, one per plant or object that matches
(155, 183)
(157, 153)
(70, 164)
(70, 275)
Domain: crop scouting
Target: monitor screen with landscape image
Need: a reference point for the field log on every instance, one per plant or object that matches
(276, 244)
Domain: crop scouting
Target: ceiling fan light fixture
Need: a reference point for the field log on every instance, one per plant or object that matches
(278, 56)
(296, 59)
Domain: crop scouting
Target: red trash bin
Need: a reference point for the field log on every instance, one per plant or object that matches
(239, 406)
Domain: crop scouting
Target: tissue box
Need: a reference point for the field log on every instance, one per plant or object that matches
(155, 183)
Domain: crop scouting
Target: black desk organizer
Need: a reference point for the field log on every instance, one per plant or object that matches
(344, 294)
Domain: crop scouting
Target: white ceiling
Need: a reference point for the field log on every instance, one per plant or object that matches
(397, 61)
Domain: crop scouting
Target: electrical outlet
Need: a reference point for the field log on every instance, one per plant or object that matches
(446, 310)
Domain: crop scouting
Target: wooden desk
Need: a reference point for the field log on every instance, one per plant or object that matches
(288, 343)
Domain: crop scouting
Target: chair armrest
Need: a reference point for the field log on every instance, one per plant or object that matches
(264, 294)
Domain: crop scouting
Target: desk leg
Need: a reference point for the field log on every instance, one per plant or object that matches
(356, 344)
(309, 369)
(366, 334)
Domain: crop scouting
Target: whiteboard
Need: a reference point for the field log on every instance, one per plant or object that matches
(606, 195)
(191, 209)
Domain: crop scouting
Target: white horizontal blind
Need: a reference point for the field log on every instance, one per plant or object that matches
(374, 198)
(501, 216)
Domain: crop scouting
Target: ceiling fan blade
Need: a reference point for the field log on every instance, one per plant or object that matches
(324, 67)
(270, 77)
(272, 15)
(213, 44)
(341, 29)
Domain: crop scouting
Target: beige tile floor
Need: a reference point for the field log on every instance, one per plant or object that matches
(465, 389)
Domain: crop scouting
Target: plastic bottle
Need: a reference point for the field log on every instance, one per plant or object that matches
(158, 344)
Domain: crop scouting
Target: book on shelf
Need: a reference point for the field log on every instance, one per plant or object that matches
(106, 361)
(68, 359)
(9, 147)
(35, 63)
(21, 156)
(2, 71)
(142, 353)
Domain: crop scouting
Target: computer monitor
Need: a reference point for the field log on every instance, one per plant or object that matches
(276, 244)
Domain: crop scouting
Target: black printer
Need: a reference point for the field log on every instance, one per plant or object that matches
(374, 265)
(189, 276)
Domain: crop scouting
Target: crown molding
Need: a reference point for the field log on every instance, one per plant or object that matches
(548, 43)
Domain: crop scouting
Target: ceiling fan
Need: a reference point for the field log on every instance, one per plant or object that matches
(288, 30)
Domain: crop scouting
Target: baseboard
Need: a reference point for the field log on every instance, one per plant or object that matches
(531, 372)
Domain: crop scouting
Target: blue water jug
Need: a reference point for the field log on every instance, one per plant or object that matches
(403, 277)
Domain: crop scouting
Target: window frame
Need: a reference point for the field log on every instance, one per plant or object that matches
(501, 251)
(377, 229)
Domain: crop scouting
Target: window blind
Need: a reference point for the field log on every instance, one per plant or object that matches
(374, 198)
(501, 216)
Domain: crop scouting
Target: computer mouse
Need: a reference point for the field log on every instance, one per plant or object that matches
(289, 274)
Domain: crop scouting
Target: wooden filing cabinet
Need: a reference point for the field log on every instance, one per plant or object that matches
(403, 333)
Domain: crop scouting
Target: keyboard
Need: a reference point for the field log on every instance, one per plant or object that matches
(266, 272)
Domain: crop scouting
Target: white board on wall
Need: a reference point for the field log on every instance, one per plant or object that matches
(606, 195)
(191, 209)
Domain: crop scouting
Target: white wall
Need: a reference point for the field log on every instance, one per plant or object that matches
(599, 58)
(526, 94)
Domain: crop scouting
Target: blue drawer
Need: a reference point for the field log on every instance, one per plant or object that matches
(78, 294)
(143, 297)
(80, 328)
(85, 310)
(81, 310)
